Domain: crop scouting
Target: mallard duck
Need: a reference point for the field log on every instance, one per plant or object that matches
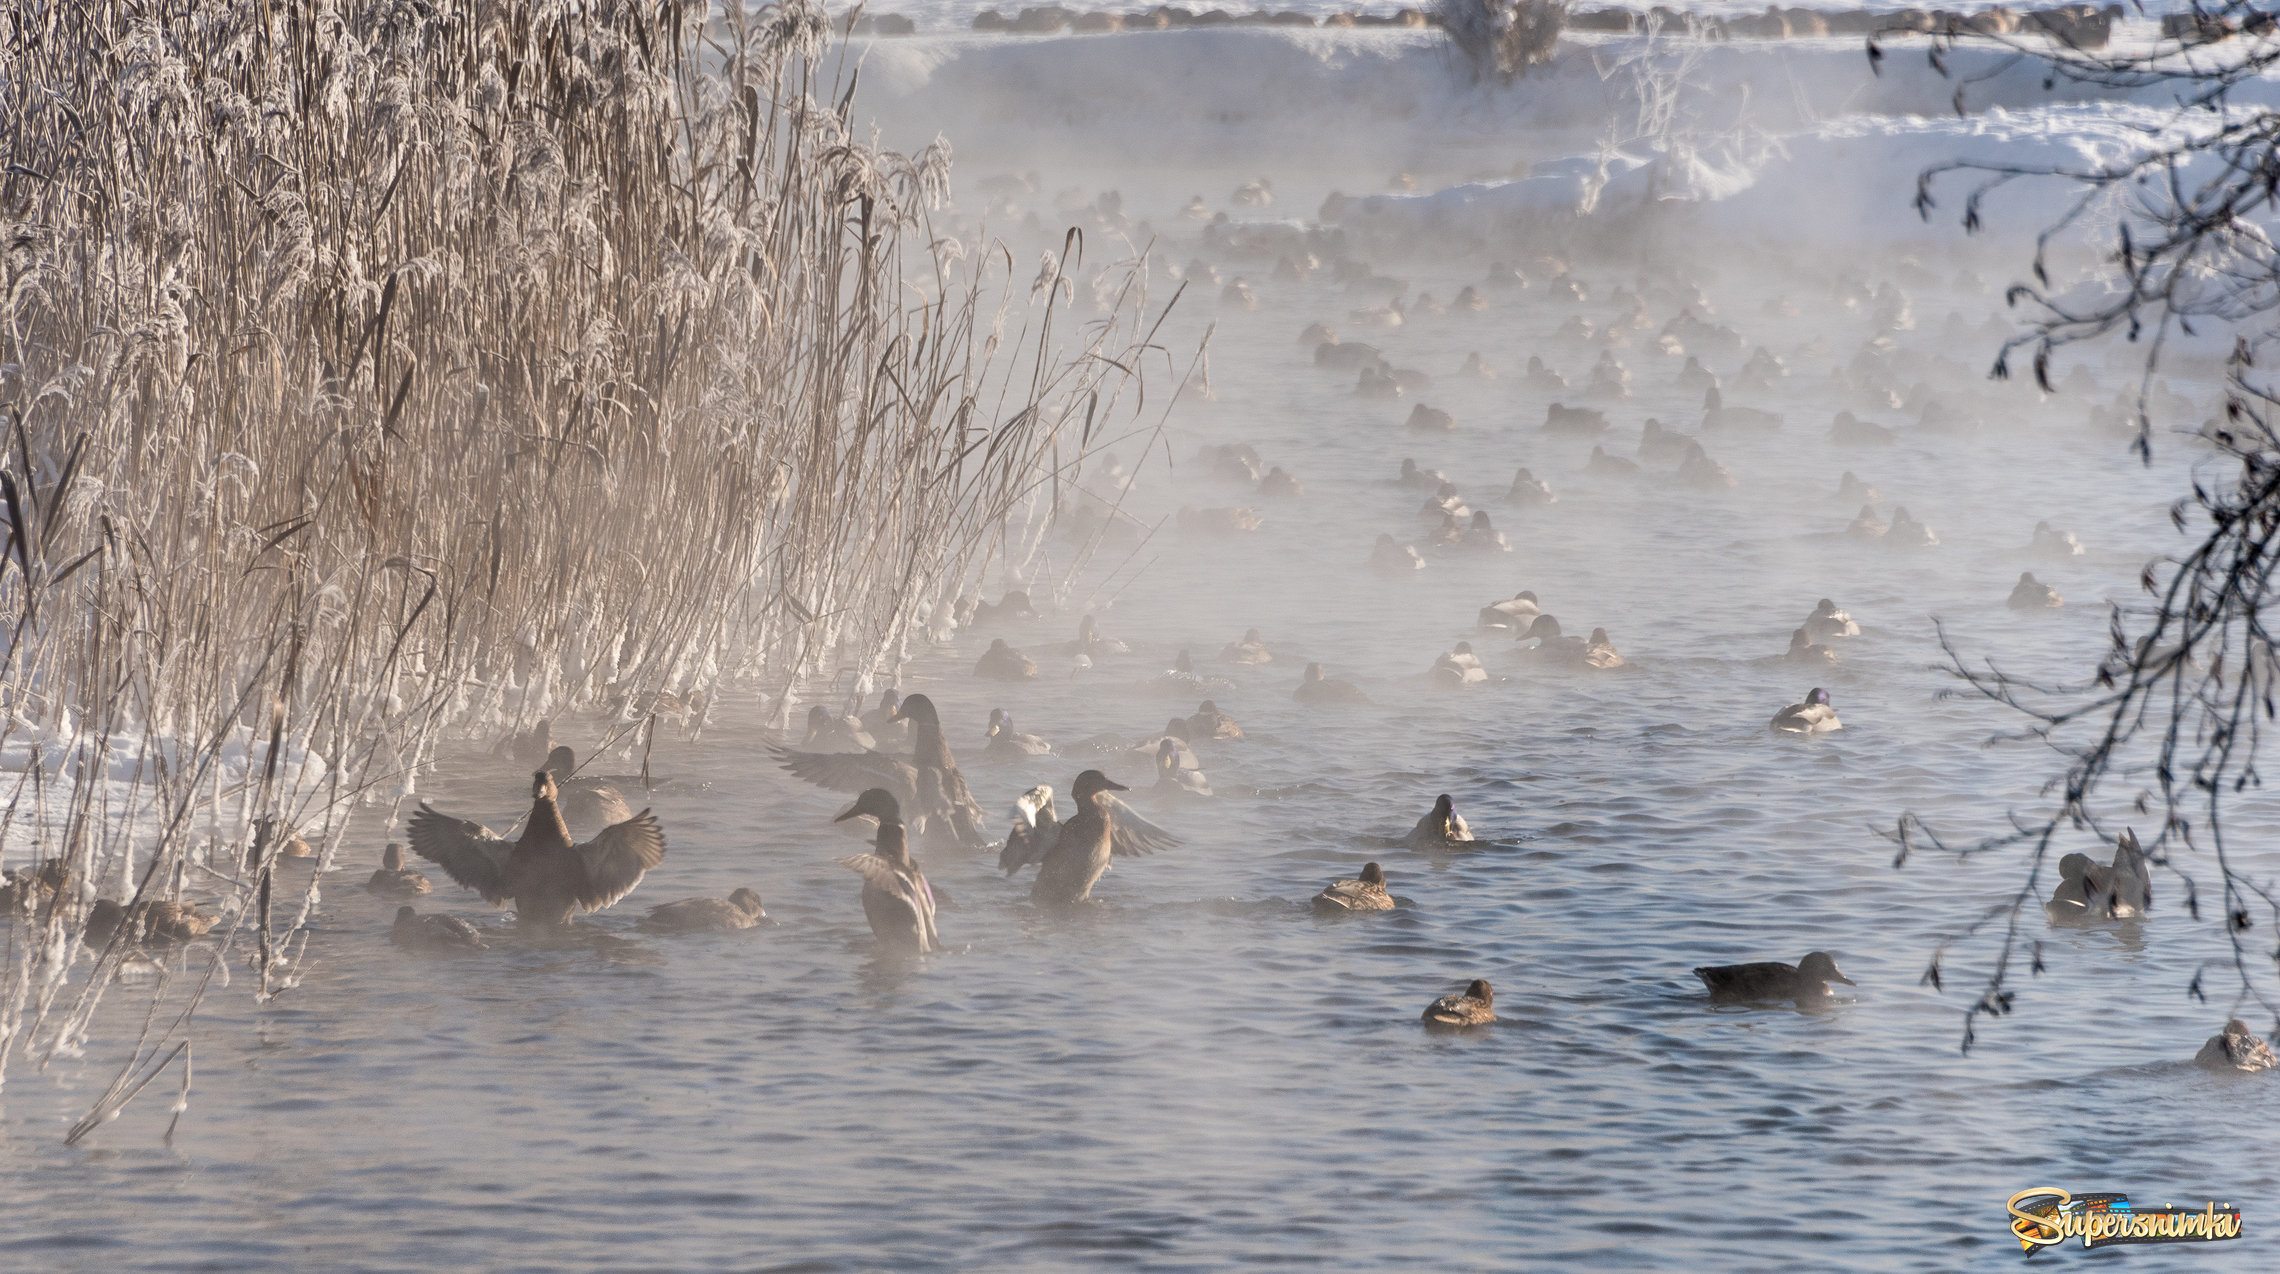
(34, 889)
(1003, 663)
(1013, 606)
(1816, 715)
(1173, 777)
(273, 840)
(1513, 614)
(1315, 688)
(2129, 880)
(1458, 668)
(1393, 558)
(1803, 651)
(1008, 744)
(434, 932)
(1424, 419)
(1805, 983)
(530, 748)
(896, 898)
(1477, 368)
(1444, 502)
(1700, 473)
(1103, 826)
(1365, 893)
(826, 732)
(1412, 476)
(1251, 650)
(1278, 485)
(1476, 1007)
(588, 804)
(1694, 378)
(1208, 722)
(548, 878)
(1441, 827)
(1554, 647)
(1543, 378)
(740, 910)
(1717, 415)
(1481, 537)
(1449, 532)
(1827, 621)
(1089, 642)
(1035, 828)
(2234, 1049)
(2032, 594)
(1528, 491)
(394, 880)
(1659, 444)
(1602, 465)
(927, 784)
(1866, 525)
(2054, 543)
(145, 923)
(1851, 488)
(1907, 533)
(1599, 651)
(1559, 418)
(2079, 880)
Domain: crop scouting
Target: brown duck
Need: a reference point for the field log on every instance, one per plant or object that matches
(547, 877)
(394, 880)
(926, 785)
(1476, 1007)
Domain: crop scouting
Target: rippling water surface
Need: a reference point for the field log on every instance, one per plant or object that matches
(1200, 1074)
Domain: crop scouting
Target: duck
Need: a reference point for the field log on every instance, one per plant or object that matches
(1717, 415)
(1699, 472)
(1208, 722)
(1315, 688)
(2129, 880)
(1412, 476)
(146, 923)
(1251, 650)
(1476, 1007)
(1513, 614)
(1659, 444)
(830, 732)
(434, 932)
(1441, 827)
(1866, 525)
(588, 804)
(1805, 983)
(1102, 827)
(1554, 647)
(2032, 594)
(1003, 663)
(2054, 543)
(1459, 667)
(740, 910)
(1851, 488)
(1015, 605)
(1542, 377)
(887, 728)
(1848, 430)
(1827, 621)
(2079, 880)
(1426, 419)
(1477, 368)
(1035, 828)
(547, 877)
(1366, 892)
(1694, 378)
(1278, 485)
(1802, 650)
(1182, 681)
(1481, 537)
(34, 889)
(1602, 465)
(394, 880)
(1816, 715)
(896, 898)
(1908, 533)
(1449, 532)
(927, 783)
(274, 839)
(1390, 557)
(1443, 503)
(1599, 651)
(1559, 418)
(1008, 744)
(1175, 778)
(530, 749)
(2234, 1050)
(1529, 491)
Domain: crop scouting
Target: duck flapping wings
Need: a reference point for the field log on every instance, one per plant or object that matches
(909, 888)
(615, 860)
(471, 854)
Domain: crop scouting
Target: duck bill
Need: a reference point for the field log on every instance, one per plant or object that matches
(1839, 977)
(1111, 785)
(853, 811)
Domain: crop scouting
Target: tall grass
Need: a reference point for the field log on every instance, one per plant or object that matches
(372, 372)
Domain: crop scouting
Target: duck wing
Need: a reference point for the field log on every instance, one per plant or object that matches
(911, 890)
(853, 771)
(470, 853)
(943, 792)
(614, 861)
(1028, 844)
(1130, 835)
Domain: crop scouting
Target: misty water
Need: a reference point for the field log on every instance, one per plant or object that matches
(1199, 1073)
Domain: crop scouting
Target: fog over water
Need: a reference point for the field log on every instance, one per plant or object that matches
(1199, 1073)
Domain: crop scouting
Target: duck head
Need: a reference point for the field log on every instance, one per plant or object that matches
(1599, 637)
(877, 802)
(2074, 867)
(1444, 810)
(1372, 874)
(818, 721)
(562, 762)
(746, 901)
(1825, 608)
(392, 858)
(1252, 637)
(890, 703)
(1545, 627)
(1001, 722)
(1408, 468)
(2235, 1027)
(1817, 966)
(405, 915)
(1818, 696)
(1092, 783)
(1480, 520)
(1313, 674)
(542, 786)
(919, 710)
(1086, 631)
(1017, 602)
(1183, 665)
(2027, 578)
(1463, 648)
(1523, 476)
(1481, 991)
(1167, 755)
(1207, 709)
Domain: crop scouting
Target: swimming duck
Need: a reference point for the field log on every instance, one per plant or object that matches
(1366, 893)
(1851, 488)
(1559, 418)
(2079, 879)
(1103, 826)
(826, 732)
(1514, 613)
(1008, 744)
(1173, 777)
(1209, 722)
(1182, 681)
(1458, 668)
(2234, 1049)
(1701, 473)
(1232, 462)
(33, 889)
(1278, 485)
(1554, 647)
(1477, 368)
(1424, 419)
(1393, 558)
(1803, 651)
(1694, 378)
(1661, 445)
(273, 839)
(2053, 543)
(1441, 827)
(896, 899)
(587, 804)
(1089, 642)
(1542, 377)
(1602, 465)
(394, 880)
(1848, 430)
(1013, 606)
(1609, 378)
(1528, 491)
(1805, 983)
(434, 932)
(1814, 716)
(1481, 537)
(1717, 415)
(1444, 502)
(146, 923)
(1599, 651)
(547, 877)
(2032, 594)
(1449, 532)
(1003, 663)
(1908, 533)
(927, 784)
(1867, 526)
(530, 749)
(1035, 828)
(1315, 688)
(740, 910)
(1455, 1012)
(1412, 476)
(1251, 650)
(2129, 880)
(1827, 621)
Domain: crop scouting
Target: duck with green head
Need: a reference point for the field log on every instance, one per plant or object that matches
(896, 898)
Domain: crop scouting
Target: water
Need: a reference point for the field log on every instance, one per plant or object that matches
(1198, 1073)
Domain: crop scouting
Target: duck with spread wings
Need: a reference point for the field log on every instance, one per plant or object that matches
(896, 898)
(547, 878)
(1101, 828)
(926, 784)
